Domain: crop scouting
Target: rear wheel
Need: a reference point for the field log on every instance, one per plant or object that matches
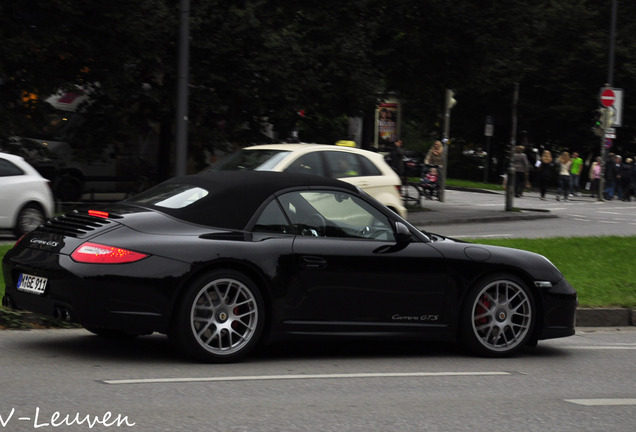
(220, 317)
(498, 316)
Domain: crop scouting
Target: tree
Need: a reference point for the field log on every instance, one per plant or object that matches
(258, 61)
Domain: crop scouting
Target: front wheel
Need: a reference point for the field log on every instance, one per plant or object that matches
(498, 317)
(220, 317)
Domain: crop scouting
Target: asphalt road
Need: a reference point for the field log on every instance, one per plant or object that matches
(582, 383)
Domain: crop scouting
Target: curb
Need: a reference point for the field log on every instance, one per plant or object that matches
(530, 215)
(605, 317)
(519, 214)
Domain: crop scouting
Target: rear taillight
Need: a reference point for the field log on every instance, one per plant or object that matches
(101, 254)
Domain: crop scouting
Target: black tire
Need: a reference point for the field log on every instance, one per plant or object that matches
(498, 317)
(29, 218)
(219, 318)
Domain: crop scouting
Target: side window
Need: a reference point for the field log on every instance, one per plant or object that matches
(343, 164)
(309, 163)
(9, 169)
(272, 220)
(335, 214)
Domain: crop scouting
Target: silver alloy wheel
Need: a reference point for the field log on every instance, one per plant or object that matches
(224, 316)
(501, 315)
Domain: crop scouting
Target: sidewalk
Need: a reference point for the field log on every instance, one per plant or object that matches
(483, 206)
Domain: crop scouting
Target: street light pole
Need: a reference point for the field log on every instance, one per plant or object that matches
(449, 103)
(510, 178)
(181, 138)
(610, 80)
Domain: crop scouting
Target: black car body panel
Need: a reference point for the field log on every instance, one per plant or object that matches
(352, 283)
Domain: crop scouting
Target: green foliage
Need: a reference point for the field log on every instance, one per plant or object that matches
(257, 61)
(11, 319)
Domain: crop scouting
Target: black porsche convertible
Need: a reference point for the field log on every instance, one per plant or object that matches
(223, 261)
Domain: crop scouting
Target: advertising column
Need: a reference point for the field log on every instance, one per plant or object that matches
(387, 116)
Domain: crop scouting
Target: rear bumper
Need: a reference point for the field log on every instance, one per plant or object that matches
(78, 293)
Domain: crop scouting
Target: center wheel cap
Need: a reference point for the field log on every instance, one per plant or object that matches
(222, 316)
(501, 315)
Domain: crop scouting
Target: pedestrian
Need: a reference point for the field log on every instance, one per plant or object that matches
(522, 167)
(625, 175)
(545, 168)
(575, 174)
(611, 172)
(595, 175)
(565, 164)
(397, 160)
(435, 155)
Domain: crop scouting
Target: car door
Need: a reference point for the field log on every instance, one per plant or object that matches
(354, 271)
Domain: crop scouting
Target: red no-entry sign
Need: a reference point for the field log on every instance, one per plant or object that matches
(608, 97)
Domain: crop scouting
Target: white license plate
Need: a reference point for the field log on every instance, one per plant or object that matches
(31, 284)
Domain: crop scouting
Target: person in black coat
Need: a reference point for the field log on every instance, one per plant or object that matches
(625, 179)
(611, 171)
(397, 160)
(545, 171)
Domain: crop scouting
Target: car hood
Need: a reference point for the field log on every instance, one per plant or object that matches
(536, 265)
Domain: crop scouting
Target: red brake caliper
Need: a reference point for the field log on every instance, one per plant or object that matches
(482, 308)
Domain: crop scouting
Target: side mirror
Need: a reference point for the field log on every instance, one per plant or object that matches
(402, 233)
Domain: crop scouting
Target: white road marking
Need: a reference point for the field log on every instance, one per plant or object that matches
(603, 402)
(601, 347)
(301, 377)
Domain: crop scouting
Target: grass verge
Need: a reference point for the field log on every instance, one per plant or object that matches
(601, 269)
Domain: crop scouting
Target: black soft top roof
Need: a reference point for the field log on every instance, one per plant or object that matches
(234, 196)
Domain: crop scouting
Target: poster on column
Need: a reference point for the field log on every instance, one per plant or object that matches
(387, 124)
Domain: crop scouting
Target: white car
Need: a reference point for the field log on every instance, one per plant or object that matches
(26, 199)
(365, 169)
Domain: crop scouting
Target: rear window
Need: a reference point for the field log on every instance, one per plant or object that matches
(170, 196)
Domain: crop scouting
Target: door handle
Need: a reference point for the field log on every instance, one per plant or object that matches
(313, 262)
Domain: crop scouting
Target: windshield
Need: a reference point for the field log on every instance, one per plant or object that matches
(256, 159)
